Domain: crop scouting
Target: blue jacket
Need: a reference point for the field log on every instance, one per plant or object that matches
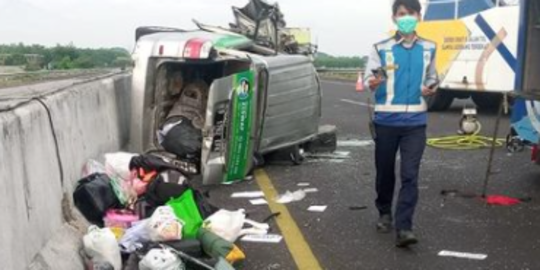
(398, 100)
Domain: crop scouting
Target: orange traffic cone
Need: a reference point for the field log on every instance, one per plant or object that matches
(360, 83)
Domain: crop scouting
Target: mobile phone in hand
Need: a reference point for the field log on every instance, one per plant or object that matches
(433, 85)
(379, 73)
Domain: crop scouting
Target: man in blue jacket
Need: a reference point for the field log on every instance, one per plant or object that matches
(401, 71)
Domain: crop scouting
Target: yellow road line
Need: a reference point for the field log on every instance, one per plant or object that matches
(298, 247)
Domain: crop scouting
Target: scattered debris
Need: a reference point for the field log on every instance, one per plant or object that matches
(258, 202)
(272, 216)
(335, 155)
(311, 190)
(498, 200)
(357, 208)
(100, 245)
(274, 266)
(326, 161)
(303, 184)
(317, 208)
(289, 197)
(269, 238)
(249, 194)
(462, 255)
(457, 193)
(229, 225)
(505, 200)
(161, 259)
(356, 143)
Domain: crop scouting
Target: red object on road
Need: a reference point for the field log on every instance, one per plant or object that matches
(360, 83)
(501, 200)
(534, 154)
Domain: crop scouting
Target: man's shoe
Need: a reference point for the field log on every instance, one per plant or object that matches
(405, 239)
(384, 225)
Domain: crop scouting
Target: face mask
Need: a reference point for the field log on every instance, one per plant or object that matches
(407, 24)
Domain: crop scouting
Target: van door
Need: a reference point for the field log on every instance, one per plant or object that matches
(231, 128)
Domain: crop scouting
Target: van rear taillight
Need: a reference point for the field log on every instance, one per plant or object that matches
(197, 48)
(534, 153)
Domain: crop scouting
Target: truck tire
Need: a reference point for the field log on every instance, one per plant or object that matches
(441, 101)
(487, 101)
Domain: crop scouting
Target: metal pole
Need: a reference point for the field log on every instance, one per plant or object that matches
(456, 11)
(493, 146)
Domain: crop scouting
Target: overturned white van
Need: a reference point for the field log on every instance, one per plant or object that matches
(233, 97)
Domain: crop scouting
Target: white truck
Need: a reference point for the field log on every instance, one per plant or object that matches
(479, 49)
(526, 109)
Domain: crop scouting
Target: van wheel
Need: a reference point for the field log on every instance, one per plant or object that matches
(297, 155)
(441, 101)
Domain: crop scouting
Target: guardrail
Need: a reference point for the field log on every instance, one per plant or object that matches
(340, 73)
(340, 70)
(12, 79)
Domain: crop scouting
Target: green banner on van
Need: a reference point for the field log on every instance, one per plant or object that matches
(240, 142)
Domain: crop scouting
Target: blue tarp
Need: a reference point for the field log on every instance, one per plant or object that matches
(446, 9)
(521, 122)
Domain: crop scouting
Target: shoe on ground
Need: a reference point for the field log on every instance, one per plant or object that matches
(384, 225)
(405, 239)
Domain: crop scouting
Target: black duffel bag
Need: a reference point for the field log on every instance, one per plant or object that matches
(93, 196)
(167, 185)
(172, 184)
(183, 140)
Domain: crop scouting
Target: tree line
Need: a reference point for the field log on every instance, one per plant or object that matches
(36, 57)
(323, 60)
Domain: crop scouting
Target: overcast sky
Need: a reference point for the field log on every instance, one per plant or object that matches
(341, 27)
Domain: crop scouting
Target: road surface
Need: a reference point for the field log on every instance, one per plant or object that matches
(341, 238)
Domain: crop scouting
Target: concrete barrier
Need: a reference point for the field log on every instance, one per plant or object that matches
(37, 228)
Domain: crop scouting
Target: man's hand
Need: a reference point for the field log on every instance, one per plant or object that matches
(426, 91)
(375, 82)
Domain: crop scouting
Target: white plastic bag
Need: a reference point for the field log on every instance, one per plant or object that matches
(164, 225)
(117, 164)
(92, 167)
(289, 197)
(161, 259)
(135, 237)
(124, 189)
(229, 225)
(117, 168)
(101, 245)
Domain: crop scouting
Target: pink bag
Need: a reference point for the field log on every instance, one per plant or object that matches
(139, 186)
(119, 221)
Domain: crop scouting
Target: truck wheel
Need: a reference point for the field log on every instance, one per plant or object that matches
(441, 101)
(487, 101)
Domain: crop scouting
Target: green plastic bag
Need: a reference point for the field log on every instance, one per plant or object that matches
(186, 209)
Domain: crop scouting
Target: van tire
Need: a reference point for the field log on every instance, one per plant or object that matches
(297, 155)
(441, 101)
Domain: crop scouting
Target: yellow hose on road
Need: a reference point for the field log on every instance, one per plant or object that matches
(464, 142)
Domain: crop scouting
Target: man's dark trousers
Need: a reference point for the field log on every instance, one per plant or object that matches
(411, 141)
